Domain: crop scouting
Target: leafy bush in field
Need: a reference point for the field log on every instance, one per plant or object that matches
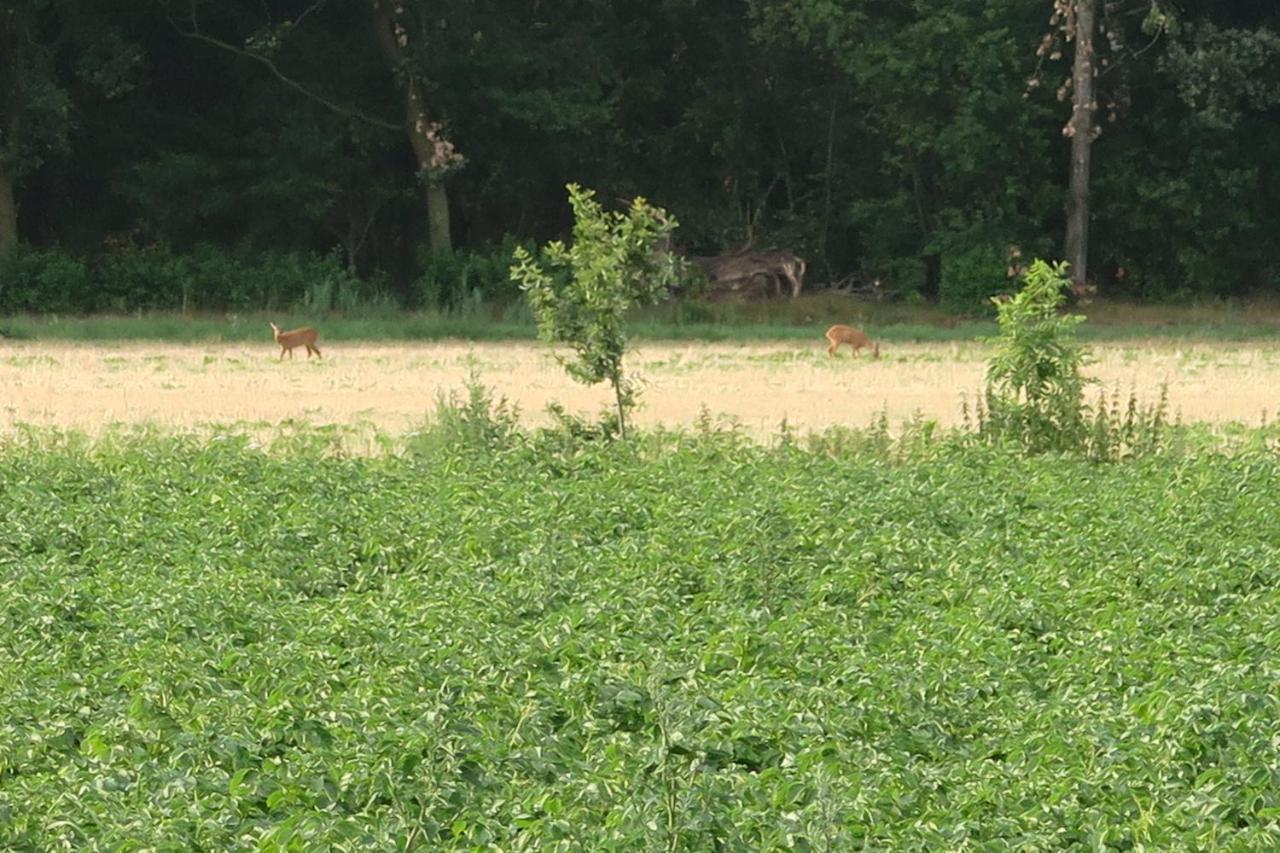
(476, 421)
(42, 281)
(969, 278)
(449, 279)
(214, 278)
(1035, 389)
(132, 278)
(906, 275)
(671, 643)
(139, 279)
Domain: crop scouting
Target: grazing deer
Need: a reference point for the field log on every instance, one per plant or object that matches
(1082, 292)
(1015, 266)
(303, 337)
(855, 338)
(1078, 293)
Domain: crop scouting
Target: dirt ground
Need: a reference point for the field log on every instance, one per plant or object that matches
(394, 386)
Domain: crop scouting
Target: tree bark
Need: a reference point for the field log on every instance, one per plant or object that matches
(417, 124)
(824, 234)
(439, 235)
(1081, 132)
(8, 213)
(15, 28)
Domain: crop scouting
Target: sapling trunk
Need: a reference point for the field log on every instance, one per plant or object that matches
(622, 421)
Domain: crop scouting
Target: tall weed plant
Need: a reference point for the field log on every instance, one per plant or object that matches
(479, 420)
(1035, 387)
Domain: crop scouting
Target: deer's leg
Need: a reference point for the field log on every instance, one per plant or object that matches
(791, 280)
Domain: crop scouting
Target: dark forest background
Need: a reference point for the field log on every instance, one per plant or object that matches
(253, 153)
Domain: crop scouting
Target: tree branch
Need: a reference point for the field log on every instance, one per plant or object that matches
(351, 112)
(307, 11)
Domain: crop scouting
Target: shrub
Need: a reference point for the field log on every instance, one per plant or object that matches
(451, 279)
(478, 421)
(42, 281)
(1035, 391)
(215, 279)
(136, 278)
(905, 275)
(1034, 396)
(152, 278)
(970, 278)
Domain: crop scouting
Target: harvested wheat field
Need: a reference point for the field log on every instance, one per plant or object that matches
(394, 386)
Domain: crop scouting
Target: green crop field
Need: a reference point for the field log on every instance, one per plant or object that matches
(684, 642)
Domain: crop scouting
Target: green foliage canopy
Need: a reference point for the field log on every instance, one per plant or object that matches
(870, 138)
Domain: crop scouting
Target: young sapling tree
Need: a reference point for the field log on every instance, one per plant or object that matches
(580, 294)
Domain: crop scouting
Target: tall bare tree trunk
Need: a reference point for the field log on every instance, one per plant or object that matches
(438, 233)
(393, 39)
(8, 213)
(1081, 130)
(15, 33)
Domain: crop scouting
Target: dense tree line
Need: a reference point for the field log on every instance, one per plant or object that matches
(914, 141)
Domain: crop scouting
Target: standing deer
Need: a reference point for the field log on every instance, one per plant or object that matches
(1078, 293)
(1082, 292)
(855, 338)
(302, 337)
(758, 274)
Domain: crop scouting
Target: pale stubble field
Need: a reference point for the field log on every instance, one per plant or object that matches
(395, 386)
